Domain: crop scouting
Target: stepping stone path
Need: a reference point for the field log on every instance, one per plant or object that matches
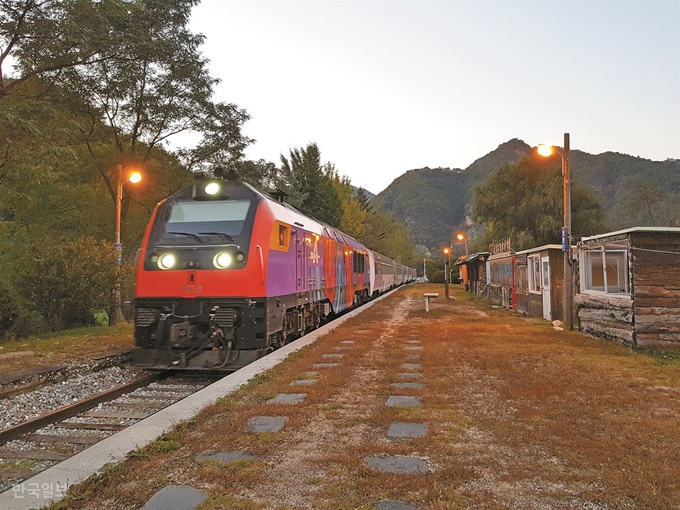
(395, 505)
(412, 341)
(267, 423)
(288, 398)
(401, 429)
(325, 365)
(403, 401)
(398, 464)
(334, 356)
(304, 382)
(408, 385)
(411, 366)
(226, 456)
(175, 497)
(347, 342)
(412, 356)
(411, 375)
(414, 348)
(310, 374)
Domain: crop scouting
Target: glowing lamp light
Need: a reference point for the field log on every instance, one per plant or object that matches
(460, 237)
(166, 261)
(135, 177)
(222, 260)
(545, 150)
(212, 188)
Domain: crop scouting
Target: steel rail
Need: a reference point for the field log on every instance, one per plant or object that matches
(69, 411)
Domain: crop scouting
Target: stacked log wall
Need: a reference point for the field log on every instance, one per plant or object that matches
(656, 288)
(607, 317)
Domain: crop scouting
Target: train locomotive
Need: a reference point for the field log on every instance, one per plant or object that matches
(227, 273)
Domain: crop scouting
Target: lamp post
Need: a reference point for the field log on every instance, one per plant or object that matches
(463, 237)
(134, 178)
(447, 271)
(547, 150)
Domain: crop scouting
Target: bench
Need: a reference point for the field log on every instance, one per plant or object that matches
(428, 296)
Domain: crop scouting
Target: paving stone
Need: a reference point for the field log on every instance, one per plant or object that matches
(398, 464)
(344, 348)
(325, 365)
(414, 348)
(413, 341)
(412, 356)
(304, 382)
(403, 429)
(395, 505)
(227, 456)
(288, 398)
(310, 374)
(266, 423)
(410, 375)
(333, 356)
(409, 385)
(411, 366)
(403, 401)
(347, 342)
(175, 497)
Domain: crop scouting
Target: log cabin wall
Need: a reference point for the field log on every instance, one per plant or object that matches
(644, 312)
(655, 263)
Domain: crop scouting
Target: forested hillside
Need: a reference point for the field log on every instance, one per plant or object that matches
(632, 191)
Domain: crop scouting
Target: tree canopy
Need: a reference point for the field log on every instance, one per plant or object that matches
(524, 202)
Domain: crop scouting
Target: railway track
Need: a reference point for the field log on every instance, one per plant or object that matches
(35, 445)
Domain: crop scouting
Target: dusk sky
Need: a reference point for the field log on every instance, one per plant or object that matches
(387, 86)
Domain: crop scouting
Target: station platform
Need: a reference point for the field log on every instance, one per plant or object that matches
(399, 408)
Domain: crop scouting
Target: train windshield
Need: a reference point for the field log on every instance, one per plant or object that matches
(220, 217)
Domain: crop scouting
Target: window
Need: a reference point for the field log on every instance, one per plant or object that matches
(359, 262)
(223, 217)
(534, 274)
(605, 271)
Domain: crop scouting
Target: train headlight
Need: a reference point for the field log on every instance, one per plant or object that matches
(166, 261)
(222, 260)
(212, 188)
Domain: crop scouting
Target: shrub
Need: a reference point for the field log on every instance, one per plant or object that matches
(9, 309)
(67, 281)
(437, 276)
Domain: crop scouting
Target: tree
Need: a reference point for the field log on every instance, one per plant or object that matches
(136, 70)
(524, 201)
(309, 185)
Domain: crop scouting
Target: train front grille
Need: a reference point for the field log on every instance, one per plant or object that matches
(145, 317)
(226, 317)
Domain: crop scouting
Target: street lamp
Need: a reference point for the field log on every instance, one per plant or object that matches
(447, 270)
(463, 237)
(547, 150)
(134, 178)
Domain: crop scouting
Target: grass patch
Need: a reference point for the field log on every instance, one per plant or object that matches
(64, 346)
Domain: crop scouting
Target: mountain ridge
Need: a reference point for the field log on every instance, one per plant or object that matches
(433, 202)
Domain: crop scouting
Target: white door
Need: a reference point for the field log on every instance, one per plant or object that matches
(545, 287)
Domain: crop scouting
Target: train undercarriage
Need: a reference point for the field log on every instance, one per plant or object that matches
(221, 334)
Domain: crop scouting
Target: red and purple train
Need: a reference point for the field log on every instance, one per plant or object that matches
(227, 273)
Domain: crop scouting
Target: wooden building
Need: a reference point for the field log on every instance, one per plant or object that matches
(501, 278)
(473, 272)
(539, 281)
(629, 286)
